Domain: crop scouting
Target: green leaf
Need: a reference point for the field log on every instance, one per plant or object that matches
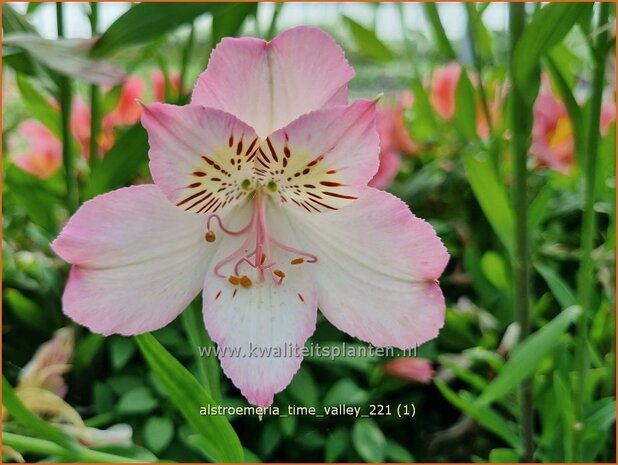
(146, 21)
(494, 270)
(30, 420)
(442, 41)
(482, 36)
(336, 444)
(137, 400)
(548, 27)
(345, 391)
(217, 435)
(158, 433)
(368, 440)
(121, 351)
(503, 456)
(491, 196)
(121, 164)
(228, 21)
(86, 350)
(561, 290)
(304, 388)
(367, 42)
(484, 415)
(527, 355)
(39, 106)
(397, 453)
(67, 57)
(465, 108)
(12, 21)
(421, 118)
(24, 309)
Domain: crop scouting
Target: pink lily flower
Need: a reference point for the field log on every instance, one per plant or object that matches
(128, 111)
(443, 88)
(80, 128)
(261, 203)
(389, 158)
(416, 370)
(552, 133)
(158, 84)
(35, 149)
(402, 141)
(608, 116)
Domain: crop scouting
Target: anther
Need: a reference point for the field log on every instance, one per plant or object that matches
(263, 259)
(279, 273)
(210, 236)
(245, 281)
(297, 261)
(234, 280)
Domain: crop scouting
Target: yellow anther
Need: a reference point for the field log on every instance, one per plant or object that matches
(235, 280)
(210, 236)
(245, 281)
(279, 274)
(297, 261)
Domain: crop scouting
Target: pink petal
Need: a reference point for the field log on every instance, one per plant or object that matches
(377, 270)
(269, 84)
(416, 370)
(389, 167)
(199, 156)
(128, 110)
(443, 87)
(137, 261)
(269, 316)
(35, 149)
(310, 159)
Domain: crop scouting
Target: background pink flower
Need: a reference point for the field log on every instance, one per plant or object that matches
(128, 110)
(552, 133)
(158, 84)
(389, 158)
(80, 128)
(35, 149)
(402, 142)
(608, 115)
(417, 370)
(443, 87)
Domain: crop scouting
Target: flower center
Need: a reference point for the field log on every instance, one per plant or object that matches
(257, 251)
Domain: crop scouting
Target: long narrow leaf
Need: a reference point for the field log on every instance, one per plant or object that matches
(188, 396)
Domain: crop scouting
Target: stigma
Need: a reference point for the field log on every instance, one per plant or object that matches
(254, 262)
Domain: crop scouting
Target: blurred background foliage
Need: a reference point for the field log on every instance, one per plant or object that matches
(447, 140)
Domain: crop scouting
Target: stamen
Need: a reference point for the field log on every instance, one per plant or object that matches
(210, 236)
(228, 231)
(297, 261)
(310, 258)
(245, 281)
(279, 273)
(234, 280)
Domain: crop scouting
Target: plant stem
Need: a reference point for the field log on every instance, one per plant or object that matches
(272, 28)
(47, 448)
(585, 276)
(72, 194)
(521, 266)
(95, 117)
(444, 44)
(184, 64)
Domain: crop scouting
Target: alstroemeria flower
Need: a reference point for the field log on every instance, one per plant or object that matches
(128, 111)
(158, 84)
(552, 133)
(389, 158)
(260, 201)
(80, 128)
(412, 369)
(35, 149)
(443, 88)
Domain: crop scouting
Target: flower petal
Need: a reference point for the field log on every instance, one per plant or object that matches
(260, 330)
(199, 156)
(270, 84)
(323, 160)
(377, 270)
(137, 261)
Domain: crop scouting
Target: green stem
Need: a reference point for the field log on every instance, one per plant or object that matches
(478, 66)
(95, 117)
(585, 276)
(24, 444)
(433, 16)
(186, 57)
(72, 194)
(272, 29)
(521, 265)
(208, 367)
